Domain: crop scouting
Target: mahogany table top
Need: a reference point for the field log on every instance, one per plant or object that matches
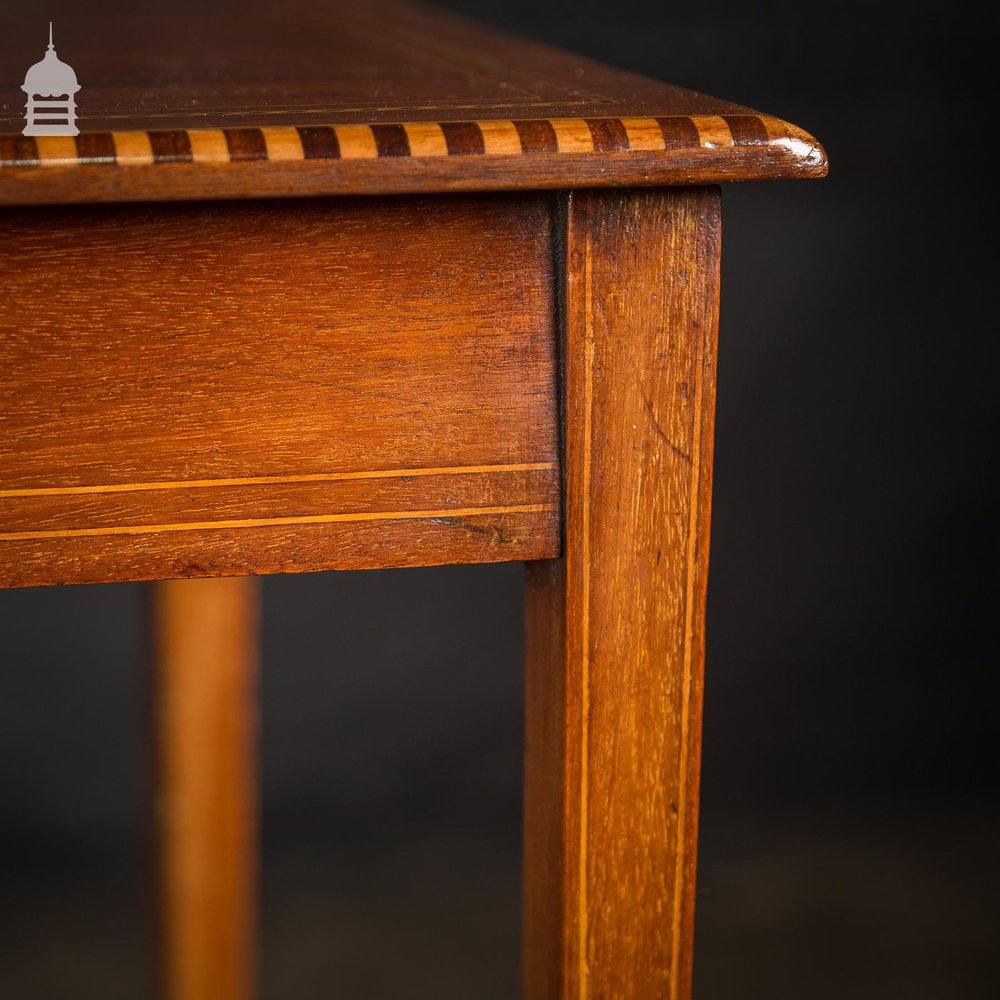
(269, 98)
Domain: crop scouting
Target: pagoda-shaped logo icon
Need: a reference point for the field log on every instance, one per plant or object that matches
(51, 87)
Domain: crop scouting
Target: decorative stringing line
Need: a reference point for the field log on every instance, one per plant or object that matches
(319, 477)
(350, 108)
(411, 140)
(583, 901)
(267, 522)
(687, 662)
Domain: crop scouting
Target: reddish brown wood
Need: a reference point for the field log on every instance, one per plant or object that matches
(387, 97)
(196, 391)
(210, 65)
(227, 389)
(791, 154)
(615, 629)
(205, 644)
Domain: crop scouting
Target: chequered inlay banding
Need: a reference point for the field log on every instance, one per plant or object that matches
(417, 140)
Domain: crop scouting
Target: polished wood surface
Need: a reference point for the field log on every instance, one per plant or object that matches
(521, 371)
(615, 629)
(197, 391)
(205, 659)
(356, 97)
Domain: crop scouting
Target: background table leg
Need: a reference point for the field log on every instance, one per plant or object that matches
(205, 652)
(615, 629)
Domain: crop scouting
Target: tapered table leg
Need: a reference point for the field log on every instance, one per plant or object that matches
(205, 652)
(615, 629)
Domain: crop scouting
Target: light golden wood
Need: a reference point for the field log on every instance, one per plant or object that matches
(205, 651)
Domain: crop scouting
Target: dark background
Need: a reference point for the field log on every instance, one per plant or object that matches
(850, 819)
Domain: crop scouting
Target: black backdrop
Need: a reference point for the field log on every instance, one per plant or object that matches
(850, 818)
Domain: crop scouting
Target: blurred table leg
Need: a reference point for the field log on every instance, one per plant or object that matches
(205, 653)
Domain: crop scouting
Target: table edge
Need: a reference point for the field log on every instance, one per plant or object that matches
(403, 157)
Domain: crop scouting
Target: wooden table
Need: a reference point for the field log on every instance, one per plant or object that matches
(365, 285)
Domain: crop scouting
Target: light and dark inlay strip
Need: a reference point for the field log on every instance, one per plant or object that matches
(537, 136)
(318, 142)
(170, 147)
(243, 144)
(415, 140)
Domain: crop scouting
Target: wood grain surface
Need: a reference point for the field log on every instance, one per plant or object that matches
(615, 628)
(355, 97)
(211, 390)
(205, 638)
